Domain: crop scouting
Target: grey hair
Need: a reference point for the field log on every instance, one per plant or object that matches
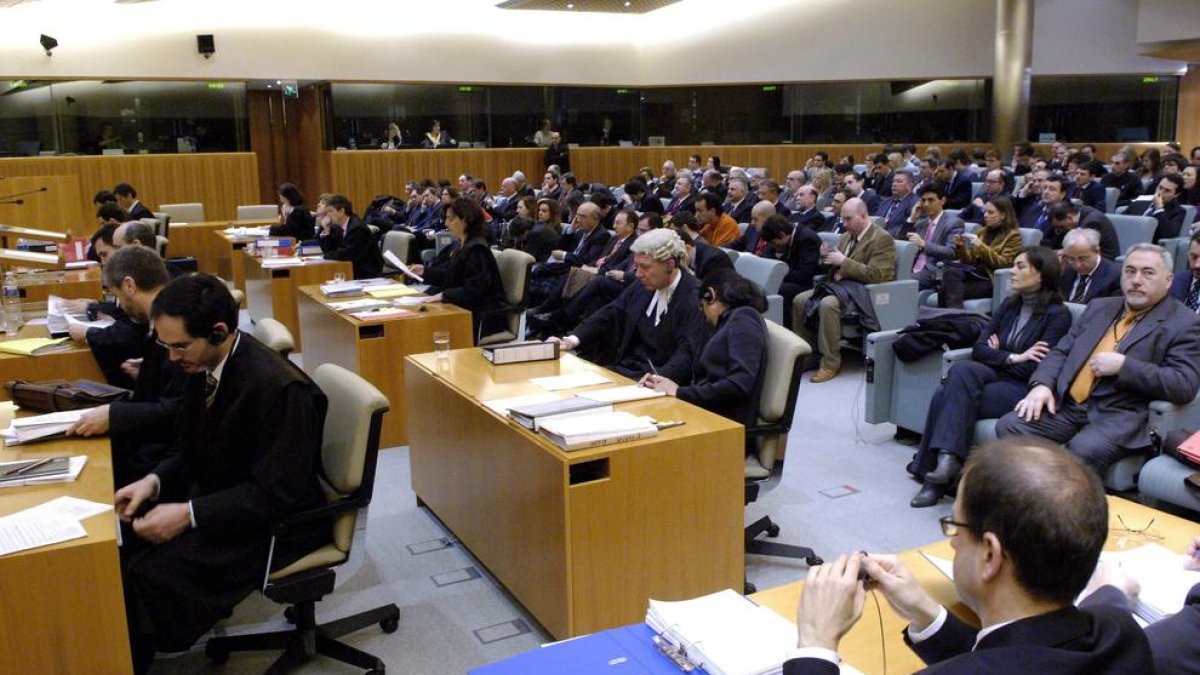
(1087, 234)
(662, 245)
(1145, 247)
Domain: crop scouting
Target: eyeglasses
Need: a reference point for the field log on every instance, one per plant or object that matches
(950, 525)
(178, 349)
(1144, 531)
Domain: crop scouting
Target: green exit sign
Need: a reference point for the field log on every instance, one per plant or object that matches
(622, 91)
(466, 89)
(770, 87)
(216, 85)
(1150, 80)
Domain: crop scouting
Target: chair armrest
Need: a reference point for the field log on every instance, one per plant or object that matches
(775, 308)
(881, 368)
(953, 356)
(895, 303)
(1166, 417)
(314, 514)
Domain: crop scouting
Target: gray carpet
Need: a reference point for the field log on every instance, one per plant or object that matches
(843, 489)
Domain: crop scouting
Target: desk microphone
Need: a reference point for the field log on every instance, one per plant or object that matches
(5, 198)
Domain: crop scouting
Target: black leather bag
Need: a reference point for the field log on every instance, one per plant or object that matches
(56, 395)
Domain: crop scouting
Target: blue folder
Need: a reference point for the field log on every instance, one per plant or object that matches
(620, 651)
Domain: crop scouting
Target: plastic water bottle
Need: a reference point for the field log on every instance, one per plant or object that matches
(12, 304)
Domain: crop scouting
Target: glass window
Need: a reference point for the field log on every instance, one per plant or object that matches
(1104, 108)
(27, 121)
(362, 113)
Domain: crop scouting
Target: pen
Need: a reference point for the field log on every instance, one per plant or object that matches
(652, 368)
(29, 467)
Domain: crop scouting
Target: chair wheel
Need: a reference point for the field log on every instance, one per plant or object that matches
(289, 614)
(773, 531)
(813, 561)
(215, 653)
(390, 625)
(749, 588)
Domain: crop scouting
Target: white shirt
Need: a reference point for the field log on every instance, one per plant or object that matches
(662, 298)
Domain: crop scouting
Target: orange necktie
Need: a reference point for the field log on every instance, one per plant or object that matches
(1081, 388)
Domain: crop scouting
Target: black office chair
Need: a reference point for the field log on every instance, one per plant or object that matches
(349, 453)
(776, 407)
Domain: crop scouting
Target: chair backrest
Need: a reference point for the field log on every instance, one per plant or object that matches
(1189, 217)
(257, 212)
(274, 335)
(163, 223)
(160, 245)
(191, 212)
(1110, 199)
(830, 239)
(1076, 310)
(953, 213)
(742, 227)
(733, 255)
(765, 272)
(441, 239)
(778, 393)
(514, 267)
(350, 445)
(906, 257)
(976, 188)
(398, 243)
(971, 228)
(1133, 230)
(1031, 236)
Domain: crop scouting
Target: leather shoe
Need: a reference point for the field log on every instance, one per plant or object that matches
(911, 468)
(811, 362)
(928, 495)
(823, 375)
(946, 471)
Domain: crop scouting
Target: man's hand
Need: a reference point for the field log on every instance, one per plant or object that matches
(659, 383)
(1105, 364)
(91, 423)
(590, 269)
(834, 258)
(566, 343)
(615, 275)
(1192, 562)
(78, 332)
(1110, 574)
(132, 367)
(418, 270)
(831, 603)
(558, 255)
(130, 498)
(994, 341)
(163, 523)
(75, 306)
(915, 238)
(1035, 353)
(902, 591)
(1038, 399)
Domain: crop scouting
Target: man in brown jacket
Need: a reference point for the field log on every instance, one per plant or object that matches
(866, 253)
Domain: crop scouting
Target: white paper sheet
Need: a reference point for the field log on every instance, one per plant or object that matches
(22, 531)
(571, 381)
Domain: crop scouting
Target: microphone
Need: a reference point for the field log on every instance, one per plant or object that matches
(12, 201)
(22, 194)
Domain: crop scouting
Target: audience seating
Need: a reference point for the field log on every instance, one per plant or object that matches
(767, 438)
(1178, 248)
(258, 212)
(160, 245)
(162, 223)
(192, 212)
(349, 453)
(1000, 282)
(515, 266)
(1133, 230)
(733, 255)
(895, 302)
(768, 274)
(1110, 199)
(398, 242)
(1189, 218)
(274, 335)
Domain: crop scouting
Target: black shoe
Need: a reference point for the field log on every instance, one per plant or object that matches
(906, 437)
(811, 362)
(911, 468)
(928, 495)
(946, 472)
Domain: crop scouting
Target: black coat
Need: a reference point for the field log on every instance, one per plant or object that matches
(142, 429)
(355, 244)
(300, 225)
(1170, 218)
(1173, 640)
(708, 260)
(1049, 327)
(471, 280)
(558, 154)
(726, 377)
(117, 343)
(1105, 281)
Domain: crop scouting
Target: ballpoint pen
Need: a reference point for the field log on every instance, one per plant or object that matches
(28, 467)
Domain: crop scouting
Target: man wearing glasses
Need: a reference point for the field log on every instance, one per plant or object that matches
(197, 527)
(1024, 547)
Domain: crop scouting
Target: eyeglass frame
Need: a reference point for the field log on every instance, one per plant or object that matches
(950, 526)
(178, 349)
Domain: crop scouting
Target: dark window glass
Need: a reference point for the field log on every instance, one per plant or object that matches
(1104, 108)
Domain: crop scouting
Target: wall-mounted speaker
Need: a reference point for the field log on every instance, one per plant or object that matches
(206, 46)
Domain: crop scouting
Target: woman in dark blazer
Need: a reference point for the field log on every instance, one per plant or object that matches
(546, 233)
(470, 278)
(295, 221)
(1022, 331)
(728, 375)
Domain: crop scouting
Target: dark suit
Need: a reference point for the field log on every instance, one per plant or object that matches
(709, 259)
(117, 343)
(938, 248)
(895, 212)
(471, 280)
(871, 200)
(1092, 195)
(596, 243)
(803, 257)
(741, 212)
(750, 240)
(678, 205)
(1096, 640)
(616, 254)
(974, 214)
(1093, 219)
(558, 154)
(812, 219)
(1173, 641)
(1182, 285)
(1128, 184)
(650, 204)
(987, 386)
(540, 241)
(1170, 218)
(356, 245)
(726, 375)
(621, 336)
(244, 463)
(1162, 362)
(142, 428)
(958, 191)
(140, 211)
(1035, 216)
(1103, 282)
(299, 225)
(882, 184)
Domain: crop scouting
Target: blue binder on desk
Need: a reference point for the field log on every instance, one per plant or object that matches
(628, 650)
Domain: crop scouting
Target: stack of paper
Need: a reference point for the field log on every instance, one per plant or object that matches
(570, 381)
(248, 232)
(724, 633)
(390, 291)
(574, 432)
(380, 313)
(391, 259)
(1191, 447)
(54, 521)
(291, 261)
(632, 392)
(337, 288)
(530, 416)
(74, 468)
(1160, 572)
(59, 319)
(360, 305)
(34, 346)
(40, 427)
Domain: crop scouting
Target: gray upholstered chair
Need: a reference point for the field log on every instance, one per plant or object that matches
(191, 212)
(769, 274)
(258, 212)
(274, 335)
(399, 243)
(514, 267)
(1132, 230)
(349, 453)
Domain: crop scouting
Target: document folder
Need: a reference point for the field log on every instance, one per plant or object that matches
(629, 650)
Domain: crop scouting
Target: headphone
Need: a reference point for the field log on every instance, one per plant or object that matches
(217, 336)
(709, 296)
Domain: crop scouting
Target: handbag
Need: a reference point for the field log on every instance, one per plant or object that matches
(55, 395)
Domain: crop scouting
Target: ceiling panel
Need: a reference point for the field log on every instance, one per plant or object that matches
(609, 6)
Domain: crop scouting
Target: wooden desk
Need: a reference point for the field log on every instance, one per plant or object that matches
(582, 539)
(70, 364)
(861, 648)
(196, 240)
(62, 608)
(376, 349)
(271, 291)
(70, 284)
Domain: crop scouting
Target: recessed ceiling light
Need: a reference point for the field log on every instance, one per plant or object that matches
(570, 5)
(628, 3)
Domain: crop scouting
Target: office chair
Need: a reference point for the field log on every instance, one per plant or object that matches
(399, 243)
(274, 335)
(515, 266)
(769, 275)
(258, 212)
(768, 435)
(349, 452)
(190, 212)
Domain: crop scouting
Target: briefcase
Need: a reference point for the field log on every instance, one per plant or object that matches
(56, 395)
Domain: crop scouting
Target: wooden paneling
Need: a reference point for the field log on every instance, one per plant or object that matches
(220, 181)
(51, 209)
(1187, 119)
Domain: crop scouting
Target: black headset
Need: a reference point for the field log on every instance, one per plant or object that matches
(217, 336)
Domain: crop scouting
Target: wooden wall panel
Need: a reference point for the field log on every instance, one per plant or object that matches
(221, 181)
(55, 209)
(1187, 119)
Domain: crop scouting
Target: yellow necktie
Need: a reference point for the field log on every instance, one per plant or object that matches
(1081, 388)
